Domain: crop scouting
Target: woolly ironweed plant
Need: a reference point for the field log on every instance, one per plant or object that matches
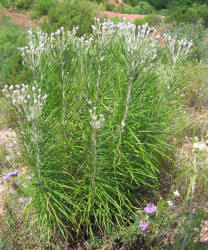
(101, 137)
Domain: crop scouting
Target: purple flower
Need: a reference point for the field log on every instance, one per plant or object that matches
(5, 177)
(12, 191)
(13, 173)
(22, 200)
(144, 225)
(10, 174)
(150, 208)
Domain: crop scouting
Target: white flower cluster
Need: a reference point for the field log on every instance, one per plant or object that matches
(133, 37)
(141, 33)
(95, 122)
(139, 43)
(201, 146)
(82, 44)
(26, 101)
(177, 48)
(51, 46)
(60, 40)
(103, 31)
(37, 45)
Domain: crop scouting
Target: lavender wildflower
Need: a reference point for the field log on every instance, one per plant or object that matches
(13, 173)
(12, 191)
(5, 177)
(22, 200)
(150, 208)
(144, 225)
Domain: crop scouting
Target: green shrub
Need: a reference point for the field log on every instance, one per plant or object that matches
(128, 10)
(164, 12)
(109, 6)
(42, 7)
(163, 4)
(194, 84)
(193, 31)
(190, 15)
(150, 19)
(34, 15)
(143, 8)
(94, 137)
(11, 68)
(158, 4)
(203, 13)
(120, 8)
(117, 19)
(69, 14)
(17, 4)
(185, 3)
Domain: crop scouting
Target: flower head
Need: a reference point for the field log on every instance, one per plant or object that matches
(199, 145)
(150, 208)
(144, 225)
(13, 173)
(170, 203)
(176, 193)
(12, 191)
(22, 200)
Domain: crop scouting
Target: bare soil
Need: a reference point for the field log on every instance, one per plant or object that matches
(19, 18)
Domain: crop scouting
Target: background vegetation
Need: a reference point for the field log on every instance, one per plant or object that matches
(106, 140)
(11, 37)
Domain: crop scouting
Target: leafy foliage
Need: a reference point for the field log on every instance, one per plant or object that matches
(69, 14)
(42, 7)
(109, 6)
(11, 68)
(190, 15)
(141, 8)
(17, 4)
(150, 19)
(98, 141)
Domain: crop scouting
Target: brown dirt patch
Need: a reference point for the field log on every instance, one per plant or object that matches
(129, 17)
(8, 138)
(19, 18)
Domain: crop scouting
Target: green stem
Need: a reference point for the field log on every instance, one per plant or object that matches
(36, 137)
(123, 123)
(63, 95)
(94, 148)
